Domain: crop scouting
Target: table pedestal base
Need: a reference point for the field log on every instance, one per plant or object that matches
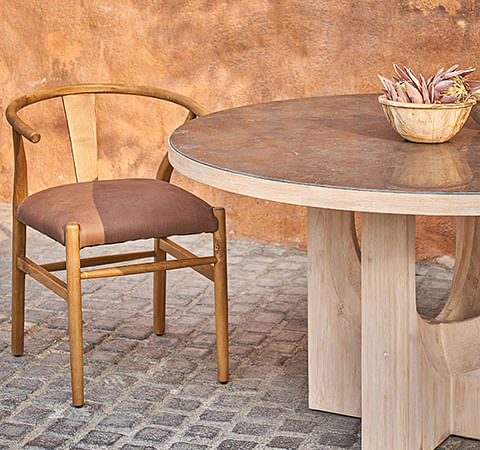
(414, 382)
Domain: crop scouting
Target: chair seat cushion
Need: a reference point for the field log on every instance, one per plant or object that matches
(114, 211)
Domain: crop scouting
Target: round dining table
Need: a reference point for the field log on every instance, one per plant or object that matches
(413, 380)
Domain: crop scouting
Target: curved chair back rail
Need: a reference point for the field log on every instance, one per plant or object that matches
(28, 132)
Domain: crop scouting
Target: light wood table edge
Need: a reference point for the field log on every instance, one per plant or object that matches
(409, 203)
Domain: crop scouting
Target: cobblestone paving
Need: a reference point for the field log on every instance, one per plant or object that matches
(160, 392)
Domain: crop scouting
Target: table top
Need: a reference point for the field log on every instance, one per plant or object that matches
(333, 152)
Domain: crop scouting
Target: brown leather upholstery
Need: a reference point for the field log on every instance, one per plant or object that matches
(117, 211)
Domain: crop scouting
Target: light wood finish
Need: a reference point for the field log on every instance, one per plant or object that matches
(464, 305)
(72, 247)
(100, 260)
(179, 252)
(347, 199)
(79, 105)
(82, 126)
(159, 290)
(452, 339)
(334, 309)
(466, 405)
(404, 400)
(452, 347)
(147, 267)
(464, 299)
(434, 123)
(43, 276)
(418, 380)
(221, 296)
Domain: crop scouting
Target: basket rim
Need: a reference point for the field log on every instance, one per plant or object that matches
(471, 101)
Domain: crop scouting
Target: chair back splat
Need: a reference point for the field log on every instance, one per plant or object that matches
(82, 126)
(91, 212)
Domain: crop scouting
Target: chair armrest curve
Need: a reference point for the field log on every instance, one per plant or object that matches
(18, 124)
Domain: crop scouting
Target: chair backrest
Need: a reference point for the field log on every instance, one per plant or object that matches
(79, 106)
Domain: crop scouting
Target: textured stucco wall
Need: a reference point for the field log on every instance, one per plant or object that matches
(223, 54)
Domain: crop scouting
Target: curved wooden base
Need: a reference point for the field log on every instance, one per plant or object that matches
(452, 339)
(464, 300)
(453, 348)
(419, 379)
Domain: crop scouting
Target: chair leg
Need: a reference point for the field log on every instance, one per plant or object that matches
(221, 295)
(74, 294)
(18, 287)
(159, 285)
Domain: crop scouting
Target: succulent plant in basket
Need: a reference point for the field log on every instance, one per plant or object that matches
(429, 110)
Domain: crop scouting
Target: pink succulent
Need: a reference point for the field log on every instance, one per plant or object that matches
(446, 86)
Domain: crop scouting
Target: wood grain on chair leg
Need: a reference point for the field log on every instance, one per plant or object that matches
(74, 311)
(221, 295)
(159, 289)
(18, 287)
(333, 312)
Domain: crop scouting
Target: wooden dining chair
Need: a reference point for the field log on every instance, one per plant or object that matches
(92, 212)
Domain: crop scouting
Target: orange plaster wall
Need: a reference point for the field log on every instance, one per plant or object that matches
(223, 54)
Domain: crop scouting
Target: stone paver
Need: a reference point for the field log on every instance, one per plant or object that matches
(145, 391)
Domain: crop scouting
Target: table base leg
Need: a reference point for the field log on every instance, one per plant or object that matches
(414, 381)
(333, 313)
(406, 403)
